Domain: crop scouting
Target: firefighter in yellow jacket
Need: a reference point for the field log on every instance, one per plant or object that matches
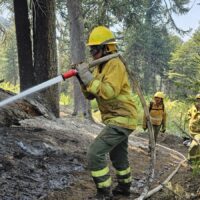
(110, 86)
(194, 128)
(157, 115)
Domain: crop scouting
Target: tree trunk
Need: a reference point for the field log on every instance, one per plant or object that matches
(23, 44)
(77, 52)
(148, 81)
(161, 83)
(45, 53)
(26, 108)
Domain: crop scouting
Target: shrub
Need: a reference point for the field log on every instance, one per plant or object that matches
(65, 99)
(10, 87)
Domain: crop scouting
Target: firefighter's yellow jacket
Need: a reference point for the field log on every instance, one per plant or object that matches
(112, 91)
(157, 115)
(194, 121)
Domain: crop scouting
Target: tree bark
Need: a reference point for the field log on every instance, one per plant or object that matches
(25, 108)
(77, 53)
(45, 53)
(24, 46)
(148, 81)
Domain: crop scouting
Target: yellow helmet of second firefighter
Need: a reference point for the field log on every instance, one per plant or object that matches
(159, 95)
(101, 35)
(198, 96)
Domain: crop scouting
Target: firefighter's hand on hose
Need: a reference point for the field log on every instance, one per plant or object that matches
(84, 74)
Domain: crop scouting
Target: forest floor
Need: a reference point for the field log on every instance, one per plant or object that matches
(46, 160)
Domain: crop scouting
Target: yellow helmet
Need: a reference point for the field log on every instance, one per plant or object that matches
(159, 95)
(198, 96)
(101, 35)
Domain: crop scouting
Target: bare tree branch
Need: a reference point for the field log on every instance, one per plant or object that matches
(151, 169)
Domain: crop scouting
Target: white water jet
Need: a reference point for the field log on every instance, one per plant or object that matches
(32, 90)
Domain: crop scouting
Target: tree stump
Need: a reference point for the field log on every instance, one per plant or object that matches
(25, 108)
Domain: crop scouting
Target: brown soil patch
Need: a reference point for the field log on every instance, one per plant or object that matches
(48, 162)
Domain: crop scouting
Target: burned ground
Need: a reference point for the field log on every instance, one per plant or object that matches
(43, 159)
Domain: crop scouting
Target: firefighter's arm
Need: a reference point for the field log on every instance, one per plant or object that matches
(144, 117)
(109, 86)
(84, 76)
(163, 128)
(144, 126)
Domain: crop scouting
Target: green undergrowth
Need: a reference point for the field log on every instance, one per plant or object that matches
(176, 110)
(65, 99)
(196, 168)
(10, 87)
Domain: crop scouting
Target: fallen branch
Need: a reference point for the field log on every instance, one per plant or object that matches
(159, 187)
(24, 109)
(2, 80)
(171, 190)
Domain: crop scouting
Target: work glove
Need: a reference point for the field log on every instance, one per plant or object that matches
(84, 74)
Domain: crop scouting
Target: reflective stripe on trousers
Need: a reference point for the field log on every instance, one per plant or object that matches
(124, 176)
(102, 178)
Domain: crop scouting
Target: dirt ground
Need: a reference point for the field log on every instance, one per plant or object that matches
(46, 160)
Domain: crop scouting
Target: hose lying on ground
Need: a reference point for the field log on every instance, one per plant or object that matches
(159, 187)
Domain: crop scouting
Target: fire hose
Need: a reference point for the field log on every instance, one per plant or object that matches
(64, 76)
(74, 72)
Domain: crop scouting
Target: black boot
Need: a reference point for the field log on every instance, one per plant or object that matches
(122, 189)
(103, 194)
